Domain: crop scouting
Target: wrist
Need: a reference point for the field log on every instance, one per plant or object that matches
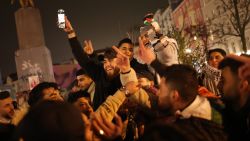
(125, 91)
(125, 71)
(71, 34)
(70, 31)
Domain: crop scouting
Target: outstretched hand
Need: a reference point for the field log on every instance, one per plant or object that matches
(244, 71)
(122, 60)
(146, 54)
(132, 87)
(68, 27)
(88, 47)
(106, 129)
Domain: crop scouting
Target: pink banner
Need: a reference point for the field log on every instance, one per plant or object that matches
(65, 74)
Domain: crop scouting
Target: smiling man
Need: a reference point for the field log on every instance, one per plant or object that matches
(106, 75)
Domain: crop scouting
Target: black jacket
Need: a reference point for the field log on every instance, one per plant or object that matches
(103, 86)
(192, 129)
(237, 124)
(138, 67)
(6, 131)
(201, 129)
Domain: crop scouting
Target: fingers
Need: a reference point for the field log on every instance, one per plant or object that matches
(85, 43)
(108, 124)
(141, 45)
(95, 126)
(118, 120)
(98, 125)
(67, 23)
(243, 70)
(99, 121)
(239, 58)
(90, 44)
(119, 53)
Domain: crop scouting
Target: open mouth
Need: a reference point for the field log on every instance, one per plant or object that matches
(109, 69)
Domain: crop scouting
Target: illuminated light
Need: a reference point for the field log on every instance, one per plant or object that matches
(248, 52)
(195, 38)
(101, 132)
(188, 50)
(238, 53)
(212, 37)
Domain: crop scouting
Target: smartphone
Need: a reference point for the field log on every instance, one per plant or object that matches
(61, 18)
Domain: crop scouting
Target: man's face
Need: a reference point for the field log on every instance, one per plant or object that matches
(52, 94)
(214, 59)
(127, 49)
(230, 85)
(110, 67)
(145, 39)
(83, 105)
(165, 101)
(83, 81)
(6, 108)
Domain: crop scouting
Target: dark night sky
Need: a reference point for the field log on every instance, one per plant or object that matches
(105, 22)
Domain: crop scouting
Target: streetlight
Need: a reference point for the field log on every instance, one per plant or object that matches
(195, 38)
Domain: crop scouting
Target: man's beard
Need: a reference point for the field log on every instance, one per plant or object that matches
(233, 99)
(116, 73)
(8, 116)
(165, 111)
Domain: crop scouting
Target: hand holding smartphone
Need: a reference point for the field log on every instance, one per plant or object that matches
(61, 18)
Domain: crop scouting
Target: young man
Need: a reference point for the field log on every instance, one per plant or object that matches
(106, 76)
(126, 47)
(236, 96)
(179, 101)
(81, 100)
(6, 115)
(211, 74)
(182, 106)
(44, 91)
(84, 82)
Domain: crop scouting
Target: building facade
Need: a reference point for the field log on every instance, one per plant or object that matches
(194, 12)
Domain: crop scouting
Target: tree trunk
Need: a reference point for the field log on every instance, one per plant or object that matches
(243, 41)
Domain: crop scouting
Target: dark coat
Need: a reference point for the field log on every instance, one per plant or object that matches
(103, 86)
(237, 123)
(6, 131)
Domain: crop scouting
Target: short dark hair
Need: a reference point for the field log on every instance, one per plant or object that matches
(109, 53)
(145, 74)
(234, 65)
(81, 72)
(183, 78)
(36, 93)
(4, 95)
(51, 120)
(125, 40)
(73, 97)
(221, 51)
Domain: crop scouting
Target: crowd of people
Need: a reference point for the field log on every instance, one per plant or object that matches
(120, 97)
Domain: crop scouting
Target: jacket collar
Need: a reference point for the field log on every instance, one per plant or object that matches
(200, 108)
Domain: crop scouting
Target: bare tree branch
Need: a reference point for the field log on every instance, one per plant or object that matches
(225, 3)
(247, 15)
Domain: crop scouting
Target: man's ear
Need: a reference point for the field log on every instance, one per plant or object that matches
(175, 95)
(151, 83)
(244, 86)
